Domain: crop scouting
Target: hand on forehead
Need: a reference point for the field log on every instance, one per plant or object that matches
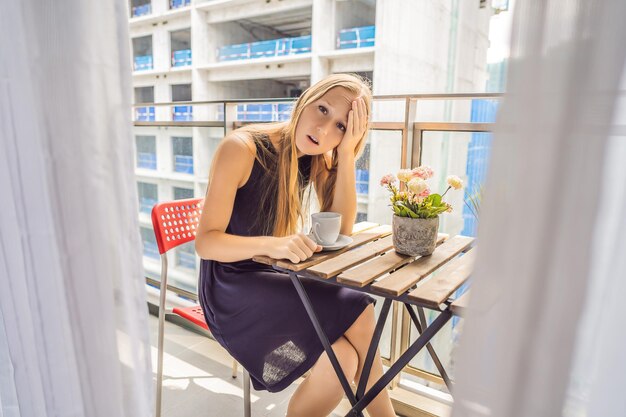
(340, 99)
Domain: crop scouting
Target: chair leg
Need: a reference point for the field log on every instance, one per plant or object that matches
(163, 292)
(234, 368)
(247, 411)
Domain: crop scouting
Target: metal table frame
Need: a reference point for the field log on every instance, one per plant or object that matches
(362, 399)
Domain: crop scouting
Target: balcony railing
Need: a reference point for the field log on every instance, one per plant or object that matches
(360, 37)
(142, 10)
(146, 160)
(263, 112)
(143, 63)
(181, 58)
(176, 4)
(265, 49)
(145, 114)
(182, 113)
(406, 130)
(183, 164)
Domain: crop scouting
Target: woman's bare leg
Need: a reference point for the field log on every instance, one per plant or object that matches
(360, 335)
(321, 391)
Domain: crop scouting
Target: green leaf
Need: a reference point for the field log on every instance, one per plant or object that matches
(435, 200)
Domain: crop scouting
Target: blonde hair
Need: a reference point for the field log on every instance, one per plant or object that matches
(287, 209)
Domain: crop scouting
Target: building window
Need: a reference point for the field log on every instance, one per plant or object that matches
(181, 193)
(142, 53)
(180, 41)
(140, 8)
(186, 256)
(148, 196)
(182, 149)
(144, 95)
(150, 248)
(361, 217)
(182, 92)
(146, 152)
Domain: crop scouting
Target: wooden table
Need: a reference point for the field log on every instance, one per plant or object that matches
(370, 264)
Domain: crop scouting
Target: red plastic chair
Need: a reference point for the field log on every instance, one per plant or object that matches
(175, 223)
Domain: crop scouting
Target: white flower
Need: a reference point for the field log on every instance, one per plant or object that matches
(417, 185)
(455, 182)
(405, 175)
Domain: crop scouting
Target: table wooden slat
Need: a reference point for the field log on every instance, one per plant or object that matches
(340, 263)
(359, 239)
(373, 228)
(264, 260)
(459, 306)
(440, 287)
(368, 272)
(362, 226)
(403, 279)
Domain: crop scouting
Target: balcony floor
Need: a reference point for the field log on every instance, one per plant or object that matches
(197, 379)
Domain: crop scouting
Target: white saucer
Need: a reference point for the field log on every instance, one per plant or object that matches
(342, 242)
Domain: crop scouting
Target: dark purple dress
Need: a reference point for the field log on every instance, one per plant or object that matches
(254, 311)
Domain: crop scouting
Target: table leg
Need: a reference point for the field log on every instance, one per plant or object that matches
(371, 352)
(324, 339)
(420, 328)
(402, 361)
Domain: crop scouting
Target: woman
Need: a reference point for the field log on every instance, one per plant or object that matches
(253, 207)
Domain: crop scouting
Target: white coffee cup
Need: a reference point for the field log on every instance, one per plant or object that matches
(325, 227)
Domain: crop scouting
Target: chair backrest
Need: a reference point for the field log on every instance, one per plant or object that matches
(176, 222)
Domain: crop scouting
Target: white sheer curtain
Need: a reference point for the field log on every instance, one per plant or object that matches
(73, 316)
(544, 335)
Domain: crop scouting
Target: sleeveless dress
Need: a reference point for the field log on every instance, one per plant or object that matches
(254, 311)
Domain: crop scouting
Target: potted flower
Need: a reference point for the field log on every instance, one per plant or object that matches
(416, 209)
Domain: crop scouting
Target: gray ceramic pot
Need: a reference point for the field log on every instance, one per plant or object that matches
(415, 237)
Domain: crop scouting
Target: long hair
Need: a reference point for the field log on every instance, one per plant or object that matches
(286, 198)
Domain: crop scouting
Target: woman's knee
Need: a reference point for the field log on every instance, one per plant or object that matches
(347, 357)
(363, 328)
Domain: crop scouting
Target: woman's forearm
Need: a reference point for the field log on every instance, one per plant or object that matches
(224, 247)
(344, 199)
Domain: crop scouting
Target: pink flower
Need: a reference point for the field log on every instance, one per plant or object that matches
(424, 172)
(425, 193)
(387, 180)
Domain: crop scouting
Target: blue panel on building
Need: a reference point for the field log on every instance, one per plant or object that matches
(175, 4)
(142, 10)
(183, 163)
(360, 37)
(143, 63)
(181, 58)
(265, 49)
(144, 114)
(182, 113)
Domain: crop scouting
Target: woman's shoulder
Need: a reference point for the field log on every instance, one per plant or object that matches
(234, 157)
(240, 142)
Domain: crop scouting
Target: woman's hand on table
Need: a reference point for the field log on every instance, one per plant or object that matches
(296, 248)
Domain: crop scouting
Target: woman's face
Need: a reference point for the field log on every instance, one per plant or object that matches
(323, 123)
